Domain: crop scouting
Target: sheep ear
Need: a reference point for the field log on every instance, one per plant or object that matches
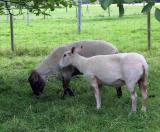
(73, 50)
(76, 50)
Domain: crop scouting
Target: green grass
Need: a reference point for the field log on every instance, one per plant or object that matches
(20, 111)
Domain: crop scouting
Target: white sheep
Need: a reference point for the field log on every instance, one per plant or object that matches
(114, 70)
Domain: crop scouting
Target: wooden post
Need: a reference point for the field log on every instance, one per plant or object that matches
(12, 32)
(66, 9)
(27, 17)
(149, 30)
(76, 11)
(79, 15)
(109, 12)
(87, 8)
(23, 17)
(44, 16)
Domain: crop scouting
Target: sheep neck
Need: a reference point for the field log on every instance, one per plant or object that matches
(45, 70)
(79, 62)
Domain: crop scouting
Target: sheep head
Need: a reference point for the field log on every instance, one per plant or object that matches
(66, 59)
(37, 83)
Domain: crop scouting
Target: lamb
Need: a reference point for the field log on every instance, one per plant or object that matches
(114, 70)
(49, 66)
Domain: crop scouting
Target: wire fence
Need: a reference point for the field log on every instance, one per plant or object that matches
(61, 27)
(87, 10)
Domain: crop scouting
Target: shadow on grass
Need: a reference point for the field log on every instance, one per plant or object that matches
(103, 18)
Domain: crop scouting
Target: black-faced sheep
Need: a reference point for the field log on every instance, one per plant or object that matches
(50, 65)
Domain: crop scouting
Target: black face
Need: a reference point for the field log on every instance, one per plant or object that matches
(37, 83)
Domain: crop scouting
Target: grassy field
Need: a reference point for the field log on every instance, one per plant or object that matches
(20, 111)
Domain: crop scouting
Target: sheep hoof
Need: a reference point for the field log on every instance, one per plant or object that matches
(67, 90)
(63, 95)
(133, 111)
(143, 109)
(70, 92)
(119, 92)
(119, 95)
(98, 107)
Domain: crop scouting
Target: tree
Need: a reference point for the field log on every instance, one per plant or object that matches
(106, 3)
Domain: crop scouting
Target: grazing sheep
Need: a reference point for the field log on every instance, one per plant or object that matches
(115, 70)
(50, 65)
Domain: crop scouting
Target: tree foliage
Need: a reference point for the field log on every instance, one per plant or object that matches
(147, 8)
(157, 14)
(41, 6)
(35, 6)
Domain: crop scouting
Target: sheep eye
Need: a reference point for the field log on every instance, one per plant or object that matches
(64, 55)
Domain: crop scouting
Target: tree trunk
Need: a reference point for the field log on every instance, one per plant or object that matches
(121, 9)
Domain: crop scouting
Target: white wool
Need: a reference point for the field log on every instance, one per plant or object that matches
(49, 66)
(110, 68)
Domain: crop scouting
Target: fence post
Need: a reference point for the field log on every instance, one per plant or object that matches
(23, 16)
(7, 18)
(109, 12)
(149, 29)
(28, 18)
(76, 11)
(12, 32)
(79, 15)
(66, 9)
(87, 8)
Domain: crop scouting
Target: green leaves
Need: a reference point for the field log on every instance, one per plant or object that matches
(157, 14)
(131, 1)
(64, 3)
(106, 3)
(1, 8)
(92, 0)
(35, 6)
(148, 7)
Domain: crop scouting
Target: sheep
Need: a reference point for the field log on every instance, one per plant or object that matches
(114, 70)
(49, 66)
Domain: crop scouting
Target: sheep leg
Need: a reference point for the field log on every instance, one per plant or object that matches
(96, 89)
(66, 88)
(133, 96)
(134, 101)
(119, 92)
(143, 89)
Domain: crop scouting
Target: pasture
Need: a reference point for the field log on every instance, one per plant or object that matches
(20, 111)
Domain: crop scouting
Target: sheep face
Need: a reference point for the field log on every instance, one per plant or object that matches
(66, 59)
(37, 83)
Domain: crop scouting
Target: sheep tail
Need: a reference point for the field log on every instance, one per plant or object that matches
(145, 73)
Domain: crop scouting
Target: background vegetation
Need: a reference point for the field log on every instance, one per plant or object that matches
(21, 111)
